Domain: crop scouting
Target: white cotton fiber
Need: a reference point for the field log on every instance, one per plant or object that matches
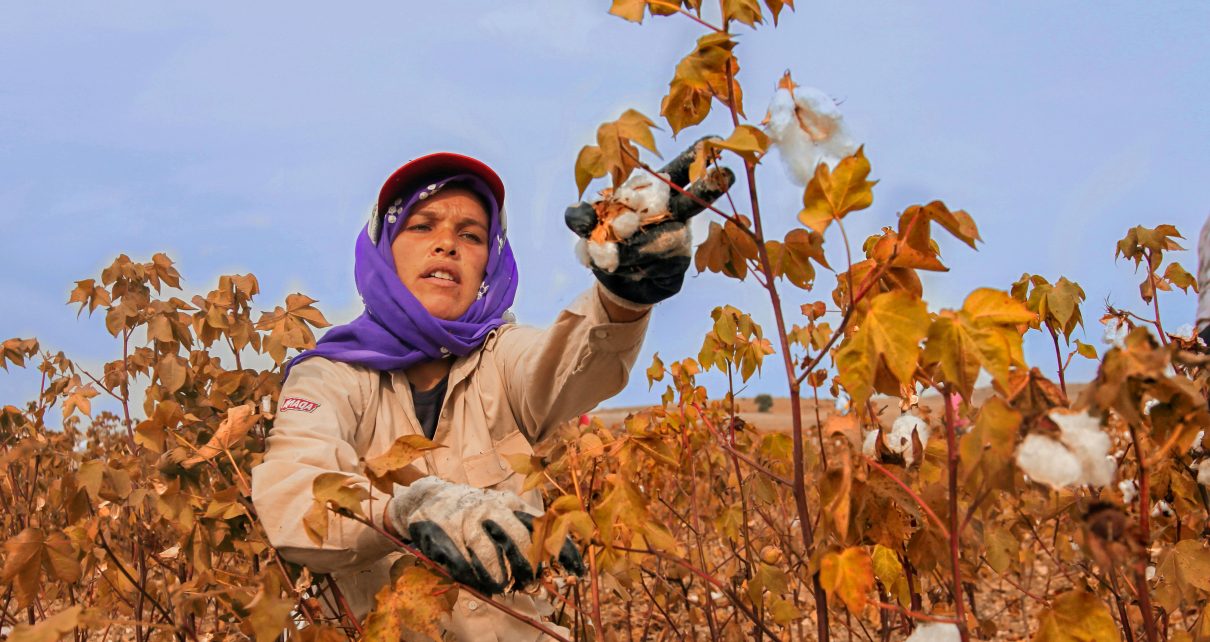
(604, 255)
(1203, 472)
(1195, 449)
(869, 447)
(645, 195)
(1048, 461)
(935, 632)
(899, 439)
(1115, 333)
(582, 252)
(1130, 490)
(1082, 434)
(807, 128)
(625, 225)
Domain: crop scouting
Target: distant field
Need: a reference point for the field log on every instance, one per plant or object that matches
(778, 417)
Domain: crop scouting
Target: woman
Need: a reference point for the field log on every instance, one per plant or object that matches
(434, 354)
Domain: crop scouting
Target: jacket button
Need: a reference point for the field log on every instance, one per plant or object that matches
(472, 605)
(600, 333)
(503, 466)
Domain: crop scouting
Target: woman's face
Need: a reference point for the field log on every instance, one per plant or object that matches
(441, 252)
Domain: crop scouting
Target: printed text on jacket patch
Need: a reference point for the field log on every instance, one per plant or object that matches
(295, 403)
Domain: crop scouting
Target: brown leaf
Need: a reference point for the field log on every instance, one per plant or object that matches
(230, 432)
(416, 602)
(389, 468)
(848, 575)
(51, 629)
(833, 194)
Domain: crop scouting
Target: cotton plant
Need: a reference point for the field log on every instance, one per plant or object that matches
(807, 128)
(1080, 456)
(899, 438)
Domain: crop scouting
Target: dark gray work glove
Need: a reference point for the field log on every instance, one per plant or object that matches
(636, 239)
(480, 536)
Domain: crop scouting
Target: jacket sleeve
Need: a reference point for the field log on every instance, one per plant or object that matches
(306, 441)
(554, 374)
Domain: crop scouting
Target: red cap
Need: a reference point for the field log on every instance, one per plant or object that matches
(425, 169)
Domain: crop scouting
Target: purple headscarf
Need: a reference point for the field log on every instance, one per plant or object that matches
(396, 331)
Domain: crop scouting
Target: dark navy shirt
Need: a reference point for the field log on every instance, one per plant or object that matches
(428, 406)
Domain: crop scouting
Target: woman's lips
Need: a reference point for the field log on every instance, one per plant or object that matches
(439, 282)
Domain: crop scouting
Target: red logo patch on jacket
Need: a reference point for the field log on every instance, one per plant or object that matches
(296, 403)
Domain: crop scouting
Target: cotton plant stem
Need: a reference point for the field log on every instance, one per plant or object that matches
(709, 579)
(945, 531)
(1054, 336)
(1155, 301)
(440, 570)
(1140, 565)
(955, 535)
(594, 573)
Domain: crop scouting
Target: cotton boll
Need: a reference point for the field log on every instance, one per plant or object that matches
(807, 128)
(604, 255)
(1130, 490)
(1161, 508)
(1203, 472)
(869, 447)
(1149, 404)
(1150, 573)
(935, 632)
(900, 437)
(625, 225)
(644, 194)
(582, 252)
(1196, 449)
(1082, 434)
(1115, 333)
(1047, 461)
(1185, 332)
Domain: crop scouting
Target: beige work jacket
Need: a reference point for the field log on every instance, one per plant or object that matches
(502, 399)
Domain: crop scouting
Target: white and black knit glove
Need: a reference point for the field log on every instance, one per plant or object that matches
(480, 536)
(636, 240)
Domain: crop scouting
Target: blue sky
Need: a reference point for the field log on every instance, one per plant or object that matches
(243, 137)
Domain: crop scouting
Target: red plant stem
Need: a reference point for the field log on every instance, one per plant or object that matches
(723, 443)
(915, 615)
(705, 577)
(345, 608)
(440, 570)
(955, 535)
(1155, 301)
(669, 5)
(1140, 578)
(592, 559)
(1059, 358)
(800, 488)
(911, 493)
(126, 391)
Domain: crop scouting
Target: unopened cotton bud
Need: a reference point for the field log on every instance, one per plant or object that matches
(604, 255)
